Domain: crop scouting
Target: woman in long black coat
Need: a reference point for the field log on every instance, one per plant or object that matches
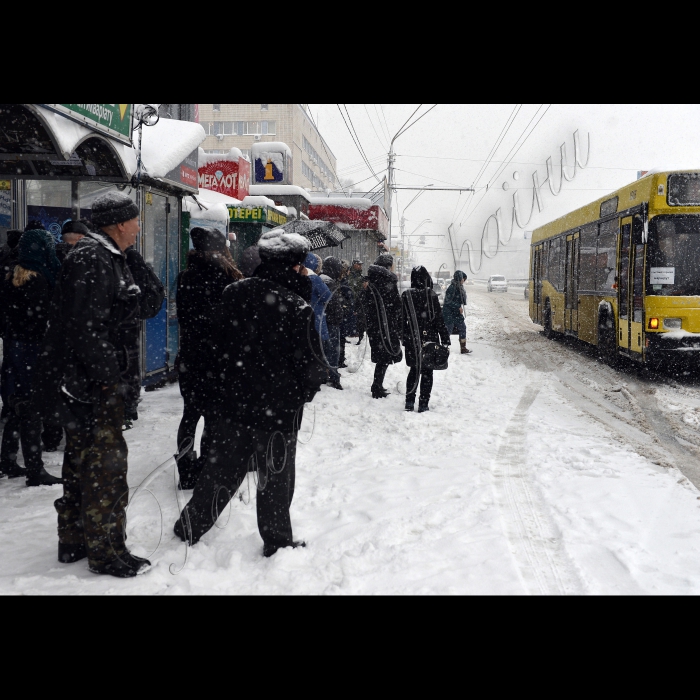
(383, 307)
(422, 323)
(210, 269)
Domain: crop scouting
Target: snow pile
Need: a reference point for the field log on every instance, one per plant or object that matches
(265, 149)
(234, 155)
(348, 202)
(267, 190)
(251, 202)
(166, 144)
(211, 212)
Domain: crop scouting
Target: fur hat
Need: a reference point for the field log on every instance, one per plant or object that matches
(113, 208)
(74, 227)
(332, 267)
(279, 246)
(206, 239)
(385, 260)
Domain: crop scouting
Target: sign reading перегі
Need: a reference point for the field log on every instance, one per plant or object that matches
(113, 120)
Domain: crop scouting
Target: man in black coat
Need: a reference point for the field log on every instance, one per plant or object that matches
(383, 308)
(80, 383)
(270, 365)
(71, 233)
(8, 260)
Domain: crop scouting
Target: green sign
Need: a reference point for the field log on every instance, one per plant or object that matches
(114, 120)
(255, 215)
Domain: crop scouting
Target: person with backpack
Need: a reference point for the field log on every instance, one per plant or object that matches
(423, 329)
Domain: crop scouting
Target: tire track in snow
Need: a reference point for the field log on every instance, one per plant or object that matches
(535, 541)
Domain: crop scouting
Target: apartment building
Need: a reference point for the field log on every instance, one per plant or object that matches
(240, 126)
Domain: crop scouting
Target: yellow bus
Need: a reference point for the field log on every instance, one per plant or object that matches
(623, 273)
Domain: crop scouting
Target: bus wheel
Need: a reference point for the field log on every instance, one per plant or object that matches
(547, 321)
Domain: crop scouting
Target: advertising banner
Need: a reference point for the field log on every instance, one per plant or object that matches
(113, 120)
(185, 174)
(256, 215)
(272, 163)
(229, 177)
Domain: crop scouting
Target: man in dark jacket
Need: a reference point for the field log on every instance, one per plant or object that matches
(8, 260)
(80, 382)
(269, 367)
(335, 312)
(383, 307)
(453, 309)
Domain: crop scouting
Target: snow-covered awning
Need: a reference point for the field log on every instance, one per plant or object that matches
(279, 190)
(38, 143)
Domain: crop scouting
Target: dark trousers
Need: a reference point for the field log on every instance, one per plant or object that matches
(4, 396)
(337, 346)
(24, 428)
(456, 323)
(132, 377)
(233, 448)
(52, 436)
(23, 424)
(95, 490)
(426, 385)
(188, 427)
(379, 374)
(330, 350)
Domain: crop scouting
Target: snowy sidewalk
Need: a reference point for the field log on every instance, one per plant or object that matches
(476, 496)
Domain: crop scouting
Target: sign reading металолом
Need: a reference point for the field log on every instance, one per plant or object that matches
(113, 120)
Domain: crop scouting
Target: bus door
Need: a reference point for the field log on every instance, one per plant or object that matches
(573, 243)
(636, 286)
(624, 282)
(537, 254)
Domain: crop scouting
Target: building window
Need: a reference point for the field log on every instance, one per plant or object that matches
(241, 128)
(216, 108)
(264, 108)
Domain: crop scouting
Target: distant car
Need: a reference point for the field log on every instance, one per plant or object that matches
(497, 283)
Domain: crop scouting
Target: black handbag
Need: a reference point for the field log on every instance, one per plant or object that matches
(434, 355)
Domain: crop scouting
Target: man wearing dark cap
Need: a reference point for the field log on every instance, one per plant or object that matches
(270, 364)
(71, 233)
(81, 383)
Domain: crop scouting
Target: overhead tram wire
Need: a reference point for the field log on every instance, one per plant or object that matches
(358, 138)
(506, 162)
(323, 143)
(415, 122)
(375, 131)
(386, 125)
(359, 147)
(494, 149)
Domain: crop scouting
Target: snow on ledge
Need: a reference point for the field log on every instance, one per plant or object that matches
(234, 155)
(166, 144)
(348, 202)
(265, 190)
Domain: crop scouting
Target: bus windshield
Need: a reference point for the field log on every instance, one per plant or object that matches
(673, 256)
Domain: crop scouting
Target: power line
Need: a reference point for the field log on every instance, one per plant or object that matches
(355, 140)
(323, 143)
(415, 122)
(386, 125)
(372, 125)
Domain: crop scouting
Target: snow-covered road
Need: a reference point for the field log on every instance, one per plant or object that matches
(526, 477)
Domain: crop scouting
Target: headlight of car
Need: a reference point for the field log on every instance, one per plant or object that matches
(672, 324)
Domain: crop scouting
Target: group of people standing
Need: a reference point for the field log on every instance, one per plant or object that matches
(254, 349)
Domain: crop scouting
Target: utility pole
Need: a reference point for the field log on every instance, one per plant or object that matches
(390, 174)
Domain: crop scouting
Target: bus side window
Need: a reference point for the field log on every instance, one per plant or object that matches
(588, 258)
(606, 258)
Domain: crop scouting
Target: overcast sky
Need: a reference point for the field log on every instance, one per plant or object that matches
(450, 146)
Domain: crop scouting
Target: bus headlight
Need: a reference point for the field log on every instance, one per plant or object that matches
(672, 324)
(653, 324)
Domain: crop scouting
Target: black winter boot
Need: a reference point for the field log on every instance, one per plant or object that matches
(12, 470)
(464, 349)
(270, 549)
(410, 404)
(127, 566)
(189, 468)
(422, 406)
(69, 553)
(379, 392)
(41, 477)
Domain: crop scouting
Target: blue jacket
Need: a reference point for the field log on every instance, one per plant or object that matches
(320, 296)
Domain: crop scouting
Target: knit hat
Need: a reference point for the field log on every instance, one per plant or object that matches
(385, 260)
(357, 262)
(74, 227)
(13, 236)
(313, 262)
(113, 208)
(37, 252)
(208, 239)
(279, 246)
(332, 267)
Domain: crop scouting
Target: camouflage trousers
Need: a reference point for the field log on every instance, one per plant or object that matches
(95, 490)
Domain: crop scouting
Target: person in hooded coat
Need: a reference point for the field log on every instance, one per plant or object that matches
(320, 296)
(335, 313)
(265, 341)
(422, 323)
(24, 307)
(210, 269)
(453, 309)
(8, 260)
(383, 308)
